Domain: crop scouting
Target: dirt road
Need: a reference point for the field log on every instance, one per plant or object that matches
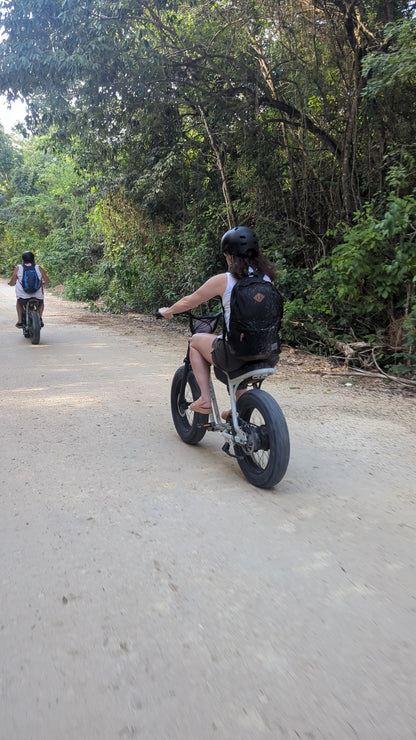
(147, 590)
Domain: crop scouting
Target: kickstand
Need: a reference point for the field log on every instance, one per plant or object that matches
(226, 448)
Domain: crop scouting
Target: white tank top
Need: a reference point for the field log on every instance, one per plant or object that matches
(20, 293)
(231, 281)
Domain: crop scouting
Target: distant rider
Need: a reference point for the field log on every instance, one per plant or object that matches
(28, 258)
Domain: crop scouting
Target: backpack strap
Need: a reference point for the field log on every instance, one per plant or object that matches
(21, 271)
(224, 324)
(254, 273)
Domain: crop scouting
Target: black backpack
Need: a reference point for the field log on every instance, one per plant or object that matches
(256, 312)
(31, 281)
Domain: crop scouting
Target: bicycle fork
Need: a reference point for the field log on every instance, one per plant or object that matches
(183, 403)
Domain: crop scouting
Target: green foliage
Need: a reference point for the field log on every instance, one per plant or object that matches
(366, 288)
(166, 122)
(85, 287)
(9, 157)
(372, 269)
(396, 64)
(409, 340)
(44, 209)
(143, 266)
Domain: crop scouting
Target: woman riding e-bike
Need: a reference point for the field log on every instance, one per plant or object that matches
(241, 250)
(244, 356)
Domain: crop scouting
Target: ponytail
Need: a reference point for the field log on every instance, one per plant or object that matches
(239, 266)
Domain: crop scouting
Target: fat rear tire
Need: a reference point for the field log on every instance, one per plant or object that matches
(34, 327)
(264, 463)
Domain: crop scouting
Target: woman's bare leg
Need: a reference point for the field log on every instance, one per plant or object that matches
(200, 355)
(201, 361)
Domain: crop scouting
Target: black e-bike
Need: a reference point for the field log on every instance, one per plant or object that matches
(31, 320)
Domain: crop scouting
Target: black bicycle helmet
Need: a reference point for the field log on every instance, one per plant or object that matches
(240, 241)
(28, 257)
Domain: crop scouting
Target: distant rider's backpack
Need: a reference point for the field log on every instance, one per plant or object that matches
(31, 281)
(256, 312)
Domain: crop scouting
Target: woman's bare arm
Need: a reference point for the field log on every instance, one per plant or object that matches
(213, 287)
(44, 276)
(13, 279)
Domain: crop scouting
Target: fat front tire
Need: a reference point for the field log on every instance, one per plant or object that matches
(34, 327)
(187, 423)
(265, 458)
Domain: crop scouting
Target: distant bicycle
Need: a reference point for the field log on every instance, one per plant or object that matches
(256, 428)
(30, 318)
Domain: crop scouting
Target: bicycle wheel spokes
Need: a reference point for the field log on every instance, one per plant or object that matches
(260, 441)
(184, 403)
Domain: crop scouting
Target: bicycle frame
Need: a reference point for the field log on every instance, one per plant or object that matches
(254, 376)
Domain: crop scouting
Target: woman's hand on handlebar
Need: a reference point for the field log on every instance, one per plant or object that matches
(164, 313)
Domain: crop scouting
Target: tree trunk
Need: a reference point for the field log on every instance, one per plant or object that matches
(232, 221)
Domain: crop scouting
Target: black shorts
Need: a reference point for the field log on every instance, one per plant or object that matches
(223, 357)
(40, 300)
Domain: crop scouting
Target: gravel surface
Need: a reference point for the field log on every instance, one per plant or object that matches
(148, 590)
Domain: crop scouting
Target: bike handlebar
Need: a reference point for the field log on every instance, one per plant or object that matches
(192, 315)
(199, 323)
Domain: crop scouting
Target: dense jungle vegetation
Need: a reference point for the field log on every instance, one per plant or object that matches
(155, 125)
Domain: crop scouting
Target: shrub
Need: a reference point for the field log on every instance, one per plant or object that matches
(85, 287)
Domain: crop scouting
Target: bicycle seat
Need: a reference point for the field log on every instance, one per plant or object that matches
(32, 299)
(248, 367)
